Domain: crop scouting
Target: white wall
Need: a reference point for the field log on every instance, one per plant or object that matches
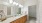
(30, 3)
(39, 11)
(24, 11)
(3, 7)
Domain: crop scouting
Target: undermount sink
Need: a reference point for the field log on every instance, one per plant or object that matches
(17, 15)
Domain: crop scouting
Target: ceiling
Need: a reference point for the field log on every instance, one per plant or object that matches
(22, 2)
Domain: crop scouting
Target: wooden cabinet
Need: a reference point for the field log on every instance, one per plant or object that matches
(20, 20)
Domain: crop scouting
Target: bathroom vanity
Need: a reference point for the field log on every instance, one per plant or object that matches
(17, 19)
(9, 14)
(20, 20)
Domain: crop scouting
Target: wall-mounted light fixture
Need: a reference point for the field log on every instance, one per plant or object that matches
(11, 3)
(14, 3)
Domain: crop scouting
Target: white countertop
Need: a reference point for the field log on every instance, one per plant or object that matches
(8, 20)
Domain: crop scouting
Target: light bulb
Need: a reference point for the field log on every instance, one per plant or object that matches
(14, 2)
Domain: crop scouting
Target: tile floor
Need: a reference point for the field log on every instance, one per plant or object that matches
(32, 20)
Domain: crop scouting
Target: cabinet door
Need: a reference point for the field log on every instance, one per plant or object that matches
(21, 20)
(18, 21)
(24, 19)
(13, 21)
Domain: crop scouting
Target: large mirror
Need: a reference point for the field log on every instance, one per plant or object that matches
(14, 10)
(19, 10)
(8, 10)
